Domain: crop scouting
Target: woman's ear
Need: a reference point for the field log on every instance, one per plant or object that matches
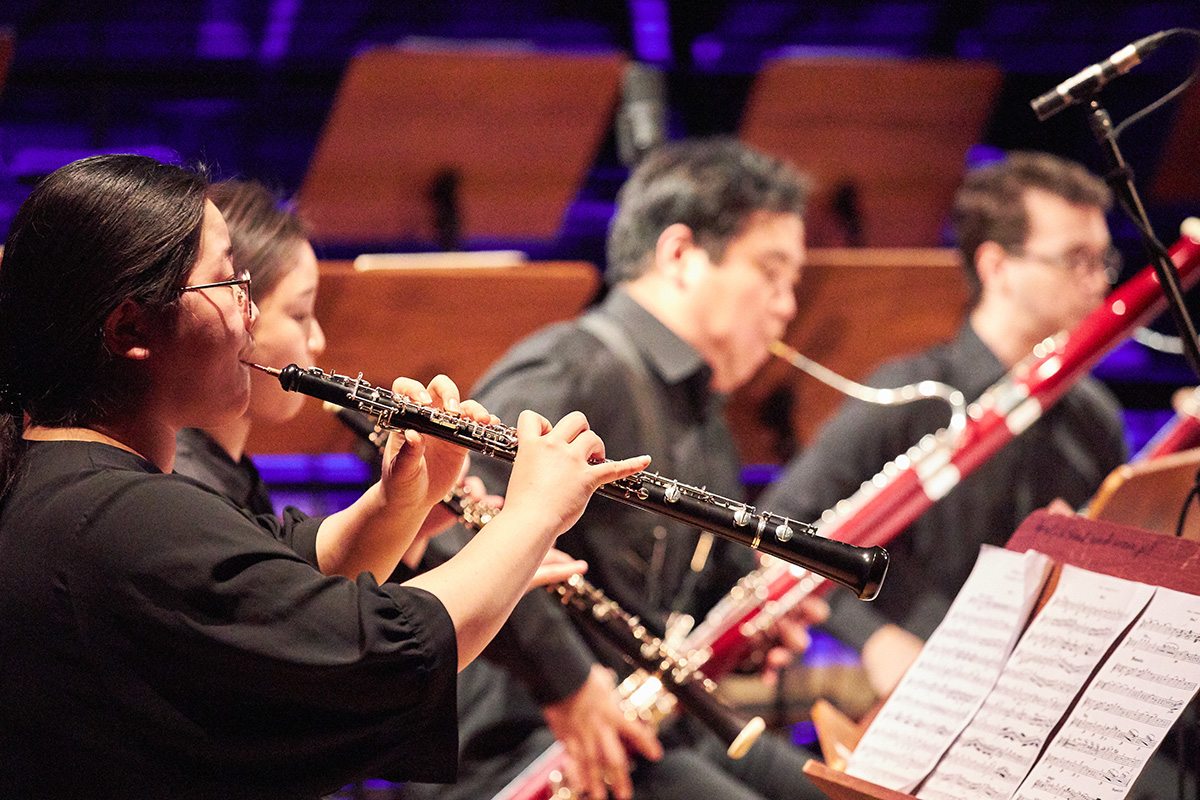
(127, 331)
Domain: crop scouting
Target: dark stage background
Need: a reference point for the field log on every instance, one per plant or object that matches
(245, 88)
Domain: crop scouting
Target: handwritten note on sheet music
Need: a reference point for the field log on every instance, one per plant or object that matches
(954, 673)
(1128, 707)
(1046, 671)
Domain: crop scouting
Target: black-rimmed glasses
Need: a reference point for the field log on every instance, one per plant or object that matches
(1081, 262)
(240, 286)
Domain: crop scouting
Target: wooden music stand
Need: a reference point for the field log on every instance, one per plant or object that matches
(417, 322)
(892, 132)
(1150, 495)
(8, 46)
(1125, 552)
(518, 129)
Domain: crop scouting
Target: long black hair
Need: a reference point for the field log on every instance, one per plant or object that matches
(90, 236)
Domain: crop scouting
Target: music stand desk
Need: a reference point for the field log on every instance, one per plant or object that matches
(1118, 550)
(893, 132)
(1150, 494)
(8, 45)
(519, 130)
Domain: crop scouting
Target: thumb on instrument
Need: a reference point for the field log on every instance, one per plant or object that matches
(403, 456)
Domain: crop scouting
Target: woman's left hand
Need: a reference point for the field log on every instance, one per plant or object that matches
(420, 469)
(788, 637)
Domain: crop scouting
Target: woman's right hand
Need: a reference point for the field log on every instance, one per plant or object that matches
(555, 472)
(557, 468)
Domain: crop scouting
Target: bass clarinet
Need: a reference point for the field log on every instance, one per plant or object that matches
(914, 481)
(860, 569)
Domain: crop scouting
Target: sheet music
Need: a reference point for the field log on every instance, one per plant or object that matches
(1058, 652)
(1127, 709)
(954, 672)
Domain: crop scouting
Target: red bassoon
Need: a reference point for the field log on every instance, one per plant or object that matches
(1181, 432)
(911, 483)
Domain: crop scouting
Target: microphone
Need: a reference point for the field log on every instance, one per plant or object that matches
(1088, 81)
(641, 120)
(443, 196)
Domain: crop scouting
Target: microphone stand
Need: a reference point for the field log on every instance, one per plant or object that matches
(1120, 178)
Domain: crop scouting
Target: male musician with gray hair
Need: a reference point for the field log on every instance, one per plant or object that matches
(703, 256)
(1038, 258)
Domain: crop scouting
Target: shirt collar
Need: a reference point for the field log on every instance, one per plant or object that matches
(201, 442)
(666, 355)
(984, 367)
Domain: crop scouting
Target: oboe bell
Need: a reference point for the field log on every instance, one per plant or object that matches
(861, 569)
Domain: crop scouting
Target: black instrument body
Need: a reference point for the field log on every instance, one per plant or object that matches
(861, 569)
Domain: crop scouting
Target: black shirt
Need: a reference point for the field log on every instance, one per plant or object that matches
(159, 642)
(640, 559)
(198, 456)
(662, 405)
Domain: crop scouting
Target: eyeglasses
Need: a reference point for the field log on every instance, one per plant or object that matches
(240, 286)
(1083, 263)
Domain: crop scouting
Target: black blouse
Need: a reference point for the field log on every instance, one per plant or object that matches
(198, 456)
(159, 642)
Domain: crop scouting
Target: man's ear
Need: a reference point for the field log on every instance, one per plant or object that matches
(673, 245)
(990, 260)
(127, 331)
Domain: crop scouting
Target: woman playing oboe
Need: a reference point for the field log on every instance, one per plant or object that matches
(159, 642)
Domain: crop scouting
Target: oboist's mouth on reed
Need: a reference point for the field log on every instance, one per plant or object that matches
(268, 370)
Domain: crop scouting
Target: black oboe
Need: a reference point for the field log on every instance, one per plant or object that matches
(862, 569)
